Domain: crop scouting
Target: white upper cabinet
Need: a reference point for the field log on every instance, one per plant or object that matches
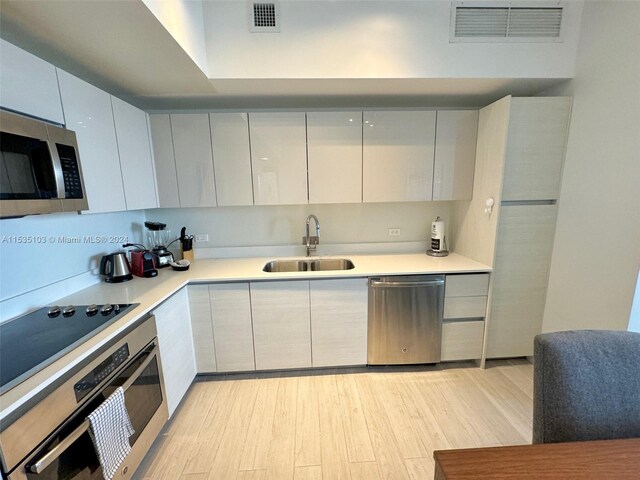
(279, 158)
(165, 162)
(135, 155)
(232, 158)
(88, 112)
(334, 146)
(538, 129)
(28, 84)
(194, 159)
(397, 150)
(455, 154)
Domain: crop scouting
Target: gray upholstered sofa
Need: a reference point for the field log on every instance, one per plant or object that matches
(586, 386)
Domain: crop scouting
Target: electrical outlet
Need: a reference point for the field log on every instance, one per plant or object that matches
(394, 232)
(202, 237)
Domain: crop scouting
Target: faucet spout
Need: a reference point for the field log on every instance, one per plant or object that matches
(311, 242)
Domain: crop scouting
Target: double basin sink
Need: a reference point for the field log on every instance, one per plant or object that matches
(310, 265)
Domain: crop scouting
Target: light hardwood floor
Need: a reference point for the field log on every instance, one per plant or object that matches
(341, 424)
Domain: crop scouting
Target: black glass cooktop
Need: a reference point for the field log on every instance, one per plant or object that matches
(31, 342)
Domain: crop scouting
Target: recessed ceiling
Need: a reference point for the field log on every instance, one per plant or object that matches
(121, 47)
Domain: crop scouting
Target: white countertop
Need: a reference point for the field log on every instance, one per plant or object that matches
(150, 292)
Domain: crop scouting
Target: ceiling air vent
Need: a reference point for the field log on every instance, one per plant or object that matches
(506, 22)
(264, 17)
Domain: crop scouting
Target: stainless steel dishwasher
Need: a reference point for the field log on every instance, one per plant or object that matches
(405, 319)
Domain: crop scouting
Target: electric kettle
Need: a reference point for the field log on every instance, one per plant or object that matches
(115, 268)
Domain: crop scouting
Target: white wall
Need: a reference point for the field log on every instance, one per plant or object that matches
(372, 39)
(285, 225)
(53, 256)
(597, 245)
(183, 19)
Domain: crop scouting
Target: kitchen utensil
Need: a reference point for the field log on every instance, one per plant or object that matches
(438, 239)
(115, 268)
(186, 244)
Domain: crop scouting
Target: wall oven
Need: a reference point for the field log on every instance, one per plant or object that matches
(40, 168)
(50, 439)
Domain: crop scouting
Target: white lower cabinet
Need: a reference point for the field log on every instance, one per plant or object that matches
(281, 324)
(465, 298)
(232, 326)
(176, 346)
(339, 322)
(202, 328)
(462, 340)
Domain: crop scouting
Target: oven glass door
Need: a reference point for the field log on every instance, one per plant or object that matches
(80, 461)
(26, 168)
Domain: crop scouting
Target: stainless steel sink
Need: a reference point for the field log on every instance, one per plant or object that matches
(319, 265)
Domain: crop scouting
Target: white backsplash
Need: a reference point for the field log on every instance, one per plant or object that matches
(45, 257)
(278, 230)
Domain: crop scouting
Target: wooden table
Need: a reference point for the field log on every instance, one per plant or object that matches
(602, 459)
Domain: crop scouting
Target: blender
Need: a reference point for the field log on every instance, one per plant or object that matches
(159, 240)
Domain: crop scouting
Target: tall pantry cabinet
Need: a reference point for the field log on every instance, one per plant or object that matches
(521, 149)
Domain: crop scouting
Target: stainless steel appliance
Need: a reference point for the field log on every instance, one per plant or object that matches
(115, 268)
(405, 319)
(48, 437)
(40, 168)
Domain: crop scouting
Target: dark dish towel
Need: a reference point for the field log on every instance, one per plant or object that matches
(110, 430)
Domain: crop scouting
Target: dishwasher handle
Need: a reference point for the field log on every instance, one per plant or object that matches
(420, 283)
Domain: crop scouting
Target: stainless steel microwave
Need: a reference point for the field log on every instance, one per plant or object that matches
(40, 168)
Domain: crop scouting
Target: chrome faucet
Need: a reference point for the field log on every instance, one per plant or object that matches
(312, 241)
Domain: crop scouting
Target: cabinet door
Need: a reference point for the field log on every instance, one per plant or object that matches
(525, 241)
(538, 129)
(135, 155)
(455, 154)
(279, 158)
(88, 112)
(202, 328)
(339, 322)
(232, 158)
(397, 156)
(194, 159)
(232, 328)
(176, 347)
(29, 84)
(334, 146)
(281, 324)
(165, 162)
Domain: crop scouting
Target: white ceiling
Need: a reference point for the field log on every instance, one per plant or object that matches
(121, 47)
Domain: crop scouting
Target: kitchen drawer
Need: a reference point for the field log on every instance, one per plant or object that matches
(465, 307)
(467, 285)
(461, 340)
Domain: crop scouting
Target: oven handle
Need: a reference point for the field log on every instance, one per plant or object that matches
(40, 465)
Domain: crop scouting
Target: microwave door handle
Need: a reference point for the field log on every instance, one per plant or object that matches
(40, 465)
(57, 169)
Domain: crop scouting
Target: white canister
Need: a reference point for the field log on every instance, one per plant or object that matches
(438, 238)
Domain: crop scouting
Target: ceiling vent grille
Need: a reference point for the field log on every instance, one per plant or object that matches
(264, 17)
(504, 22)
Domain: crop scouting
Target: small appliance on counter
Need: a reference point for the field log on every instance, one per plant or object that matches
(438, 239)
(143, 262)
(115, 268)
(160, 239)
